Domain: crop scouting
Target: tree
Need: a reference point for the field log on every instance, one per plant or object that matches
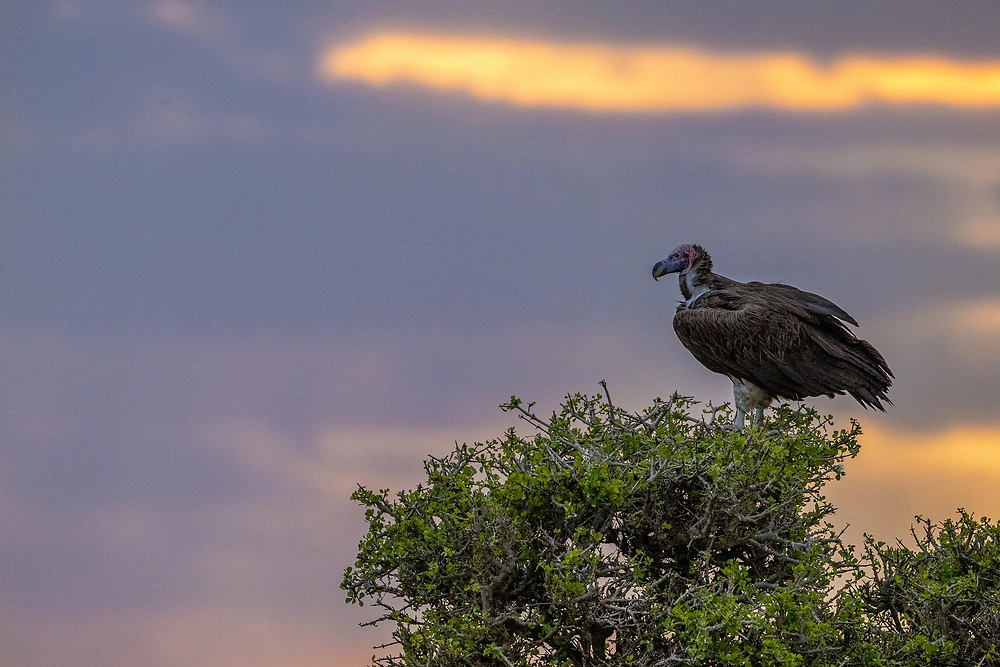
(940, 603)
(656, 538)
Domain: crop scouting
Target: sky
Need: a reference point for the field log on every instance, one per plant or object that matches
(254, 254)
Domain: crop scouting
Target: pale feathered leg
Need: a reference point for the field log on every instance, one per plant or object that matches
(747, 395)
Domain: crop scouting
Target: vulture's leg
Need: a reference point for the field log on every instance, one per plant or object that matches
(740, 419)
(758, 415)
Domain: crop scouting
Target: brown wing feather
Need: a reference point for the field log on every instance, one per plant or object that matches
(789, 342)
(813, 303)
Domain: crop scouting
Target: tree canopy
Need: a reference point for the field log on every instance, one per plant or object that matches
(663, 537)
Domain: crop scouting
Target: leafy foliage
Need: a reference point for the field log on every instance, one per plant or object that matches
(938, 604)
(659, 538)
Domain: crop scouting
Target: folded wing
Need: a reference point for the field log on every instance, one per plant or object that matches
(792, 343)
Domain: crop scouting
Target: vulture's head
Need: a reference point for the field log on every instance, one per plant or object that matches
(681, 260)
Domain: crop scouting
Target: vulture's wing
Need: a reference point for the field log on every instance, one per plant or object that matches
(792, 347)
(793, 296)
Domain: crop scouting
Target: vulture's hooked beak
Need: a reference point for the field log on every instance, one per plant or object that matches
(665, 266)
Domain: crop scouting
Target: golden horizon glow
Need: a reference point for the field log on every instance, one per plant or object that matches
(902, 473)
(980, 316)
(655, 79)
(969, 448)
(981, 233)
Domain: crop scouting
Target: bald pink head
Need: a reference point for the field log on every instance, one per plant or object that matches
(679, 260)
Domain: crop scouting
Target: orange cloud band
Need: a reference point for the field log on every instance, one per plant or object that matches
(609, 78)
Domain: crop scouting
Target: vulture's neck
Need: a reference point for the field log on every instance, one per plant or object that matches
(701, 279)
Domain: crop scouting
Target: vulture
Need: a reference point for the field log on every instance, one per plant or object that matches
(772, 340)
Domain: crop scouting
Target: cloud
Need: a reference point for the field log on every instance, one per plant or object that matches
(334, 462)
(66, 10)
(12, 512)
(964, 449)
(903, 472)
(981, 231)
(657, 79)
(961, 164)
(946, 357)
(177, 123)
(158, 124)
(979, 318)
(204, 634)
(969, 173)
(971, 328)
(184, 16)
(229, 636)
(976, 330)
